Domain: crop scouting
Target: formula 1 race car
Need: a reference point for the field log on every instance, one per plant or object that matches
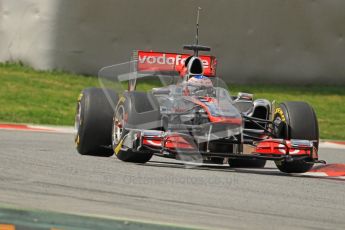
(191, 117)
(185, 112)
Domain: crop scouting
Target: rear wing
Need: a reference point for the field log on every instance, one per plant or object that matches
(149, 61)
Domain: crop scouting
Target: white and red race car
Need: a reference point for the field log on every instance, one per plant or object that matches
(190, 116)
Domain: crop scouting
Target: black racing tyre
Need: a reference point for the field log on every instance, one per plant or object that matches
(241, 163)
(135, 110)
(93, 121)
(299, 122)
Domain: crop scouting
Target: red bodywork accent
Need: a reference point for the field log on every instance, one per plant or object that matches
(181, 142)
(226, 120)
(172, 141)
(153, 142)
(149, 61)
(218, 119)
(270, 147)
(279, 147)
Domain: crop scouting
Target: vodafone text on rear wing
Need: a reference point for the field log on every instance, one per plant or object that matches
(161, 61)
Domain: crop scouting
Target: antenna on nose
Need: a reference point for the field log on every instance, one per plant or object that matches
(196, 47)
(197, 26)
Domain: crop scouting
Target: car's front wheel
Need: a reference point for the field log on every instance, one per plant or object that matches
(138, 111)
(299, 122)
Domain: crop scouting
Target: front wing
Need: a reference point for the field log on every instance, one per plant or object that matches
(168, 144)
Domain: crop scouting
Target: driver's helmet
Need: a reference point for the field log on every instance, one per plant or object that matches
(200, 80)
(199, 85)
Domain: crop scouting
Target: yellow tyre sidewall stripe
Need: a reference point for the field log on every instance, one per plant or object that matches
(118, 147)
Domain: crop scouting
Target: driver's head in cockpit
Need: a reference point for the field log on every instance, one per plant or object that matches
(193, 77)
(198, 85)
(200, 81)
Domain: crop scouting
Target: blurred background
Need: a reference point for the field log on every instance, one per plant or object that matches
(275, 41)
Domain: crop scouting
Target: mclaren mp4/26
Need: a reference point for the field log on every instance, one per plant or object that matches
(191, 116)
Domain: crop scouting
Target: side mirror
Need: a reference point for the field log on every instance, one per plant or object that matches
(245, 96)
(244, 102)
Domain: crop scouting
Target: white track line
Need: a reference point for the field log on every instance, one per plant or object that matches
(57, 129)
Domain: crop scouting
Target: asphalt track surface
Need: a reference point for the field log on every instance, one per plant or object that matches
(43, 171)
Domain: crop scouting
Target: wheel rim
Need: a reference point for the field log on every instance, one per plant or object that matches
(118, 125)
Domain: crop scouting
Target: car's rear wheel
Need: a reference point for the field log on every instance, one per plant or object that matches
(93, 121)
(135, 110)
(299, 122)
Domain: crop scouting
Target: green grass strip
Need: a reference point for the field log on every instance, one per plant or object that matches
(49, 97)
